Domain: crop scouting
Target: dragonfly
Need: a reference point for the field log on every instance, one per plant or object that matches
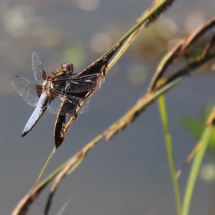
(50, 92)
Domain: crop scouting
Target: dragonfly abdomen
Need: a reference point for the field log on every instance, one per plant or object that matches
(38, 112)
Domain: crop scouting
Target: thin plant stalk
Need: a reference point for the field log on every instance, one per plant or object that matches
(100, 136)
(195, 170)
(169, 149)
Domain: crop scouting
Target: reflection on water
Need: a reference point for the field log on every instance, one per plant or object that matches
(133, 177)
(88, 5)
(100, 42)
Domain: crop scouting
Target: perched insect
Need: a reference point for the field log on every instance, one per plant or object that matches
(51, 91)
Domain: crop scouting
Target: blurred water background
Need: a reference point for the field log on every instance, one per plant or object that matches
(130, 173)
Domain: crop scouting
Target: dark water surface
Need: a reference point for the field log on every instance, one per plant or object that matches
(127, 175)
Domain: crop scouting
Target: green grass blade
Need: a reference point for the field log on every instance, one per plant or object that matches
(195, 170)
(169, 148)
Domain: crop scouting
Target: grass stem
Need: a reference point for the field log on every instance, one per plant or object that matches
(169, 148)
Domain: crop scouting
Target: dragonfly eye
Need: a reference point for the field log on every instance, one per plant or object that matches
(67, 68)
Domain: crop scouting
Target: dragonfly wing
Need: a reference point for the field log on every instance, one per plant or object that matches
(63, 104)
(39, 73)
(70, 105)
(58, 130)
(85, 106)
(85, 83)
(54, 105)
(27, 90)
(100, 65)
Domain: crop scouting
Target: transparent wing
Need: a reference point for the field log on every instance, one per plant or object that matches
(66, 104)
(70, 105)
(27, 90)
(85, 83)
(54, 105)
(85, 106)
(37, 67)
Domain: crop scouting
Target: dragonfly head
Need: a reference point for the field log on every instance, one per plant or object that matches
(67, 68)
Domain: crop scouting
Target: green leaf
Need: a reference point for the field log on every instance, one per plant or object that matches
(196, 126)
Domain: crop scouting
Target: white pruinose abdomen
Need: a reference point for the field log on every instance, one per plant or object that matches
(38, 112)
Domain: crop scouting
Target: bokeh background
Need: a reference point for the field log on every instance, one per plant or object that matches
(130, 173)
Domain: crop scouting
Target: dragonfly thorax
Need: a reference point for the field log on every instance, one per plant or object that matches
(47, 84)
